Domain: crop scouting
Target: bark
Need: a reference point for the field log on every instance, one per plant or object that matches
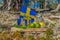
(8, 4)
(4, 4)
(57, 9)
(46, 3)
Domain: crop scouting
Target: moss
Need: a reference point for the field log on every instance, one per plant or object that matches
(43, 38)
(31, 37)
(49, 34)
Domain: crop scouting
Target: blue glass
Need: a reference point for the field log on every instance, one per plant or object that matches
(27, 1)
(35, 5)
(26, 22)
(23, 1)
(32, 12)
(23, 9)
(21, 17)
(18, 22)
(32, 20)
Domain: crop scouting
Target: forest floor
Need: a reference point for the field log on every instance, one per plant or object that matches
(8, 19)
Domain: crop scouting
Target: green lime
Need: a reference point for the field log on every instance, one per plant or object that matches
(37, 25)
(32, 25)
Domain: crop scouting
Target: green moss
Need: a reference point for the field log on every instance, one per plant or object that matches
(43, 38)
(31, 37)
(49, 31)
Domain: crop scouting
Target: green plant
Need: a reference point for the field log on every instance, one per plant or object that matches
(31, 37)
(43, 38)
(52, 24)
(49, 34)
(49, 31)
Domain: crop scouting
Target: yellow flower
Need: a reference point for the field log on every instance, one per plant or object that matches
(35, 22)
(42, 23)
